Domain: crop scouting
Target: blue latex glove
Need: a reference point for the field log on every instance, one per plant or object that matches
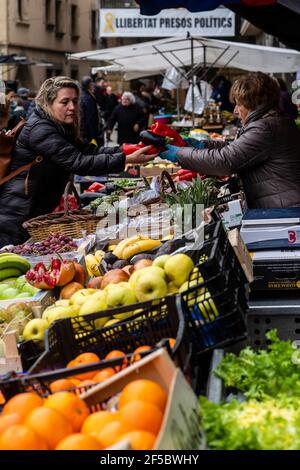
(170, 154)
(198, 144)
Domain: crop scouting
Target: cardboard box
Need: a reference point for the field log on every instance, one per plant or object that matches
(276, 270)
(233, 214)
(156, 171)
(180, 427)
(12, 360)
(242, 253)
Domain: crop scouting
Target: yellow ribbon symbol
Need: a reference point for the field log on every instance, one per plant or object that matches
(109, 18)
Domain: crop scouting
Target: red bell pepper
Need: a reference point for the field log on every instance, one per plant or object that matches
(128, 149)
(166, 131)
(95, 188)
(185, 175)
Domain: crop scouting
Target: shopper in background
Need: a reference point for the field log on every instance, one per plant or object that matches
(52, 132)
(91, 125)
(221, 93)
(129, 117)
(100, 93)
(111, 102)
(266, 154)
(23, 93)
(286, 105)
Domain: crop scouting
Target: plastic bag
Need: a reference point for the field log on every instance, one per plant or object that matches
(202, 93)
(174, 79)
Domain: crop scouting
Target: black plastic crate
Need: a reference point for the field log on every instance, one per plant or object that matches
(261, 320)
(152, 323)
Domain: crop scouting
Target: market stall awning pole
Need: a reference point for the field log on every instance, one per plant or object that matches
(193, 82)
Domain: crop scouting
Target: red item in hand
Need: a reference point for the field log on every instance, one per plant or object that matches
(128, 149)
(166, 131)
(95, 188)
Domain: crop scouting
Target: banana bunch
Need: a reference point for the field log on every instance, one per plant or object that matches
(12, 266)
(135, 245)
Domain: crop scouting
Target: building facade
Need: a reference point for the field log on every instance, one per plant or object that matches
(43, 31)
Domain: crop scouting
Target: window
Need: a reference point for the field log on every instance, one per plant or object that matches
(94, 25)
(59, 18)
(74, 22)
(22, 11)
(50, 14)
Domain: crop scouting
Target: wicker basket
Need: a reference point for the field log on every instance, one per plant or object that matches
(70, 223)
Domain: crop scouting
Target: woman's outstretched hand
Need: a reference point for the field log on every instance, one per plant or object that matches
(140, 156)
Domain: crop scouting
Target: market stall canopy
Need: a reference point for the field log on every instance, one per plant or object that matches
(279, 18)
(157, 56)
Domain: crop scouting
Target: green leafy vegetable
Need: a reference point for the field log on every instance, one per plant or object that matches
(263, 373)
(270, 425)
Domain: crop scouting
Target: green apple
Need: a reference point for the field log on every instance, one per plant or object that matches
(10, 293)
(119, 295)
(161, 261)
(149, 286)
(35, 330)
(59, 313)
(20, 282)
(23, 295)
(94, 303)
(3, 287)
(155, 270)
(172, 289)
(112, 322)
(32, 291)
(178, 268)
(81, 296)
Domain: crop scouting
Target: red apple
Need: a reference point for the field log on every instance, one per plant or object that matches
(114, 277)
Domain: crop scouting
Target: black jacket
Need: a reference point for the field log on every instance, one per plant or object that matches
(266, 156)
(63, 155)
(91, 127)
(127, 117)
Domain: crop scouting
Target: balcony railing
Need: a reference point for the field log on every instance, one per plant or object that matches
(118, 4)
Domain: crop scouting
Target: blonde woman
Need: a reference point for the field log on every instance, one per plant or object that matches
(52, 132)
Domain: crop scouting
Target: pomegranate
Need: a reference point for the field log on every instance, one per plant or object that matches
(58, 274)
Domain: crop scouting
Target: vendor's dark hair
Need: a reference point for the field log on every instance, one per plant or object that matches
(255, 90)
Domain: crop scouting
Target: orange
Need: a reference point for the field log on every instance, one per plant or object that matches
(22, 404)
(20, 437)
(104, 374)
(87, 383)
(61, 385)
(140, 440)
(9, 420)
(111, 433)
(142, 416)
(79, 442)
(115, 354)
(2, 399)
(84, 360)
(94, 423)
(172, 342)
(49, 425)
(137, 356)
(71, 406)
(76, 382)
(145, 390)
